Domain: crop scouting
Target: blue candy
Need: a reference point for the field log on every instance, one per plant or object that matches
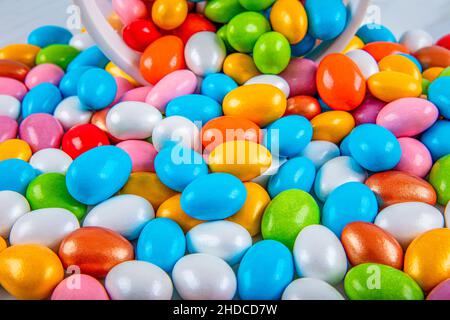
(265, 271)
(344, 147)
(48, 35)
(326, 18)
(439, 94)
(69, 83)
(217, 86)
(375, 148)
(177, 167)
(214, 197)
(374, 32)
(44, 98)
(303, 47)
(16, 175)
(98, 174)
(97, 89)
(288, 136)
(350, 202)
(162, 242)
(91, 57)
(195, 107)
(437, 139)
(297, 173)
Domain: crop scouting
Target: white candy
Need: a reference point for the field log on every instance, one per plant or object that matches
(417, 39)
(13, 205)
(335, 173)
(263, 179)
(47, 227)
(224, 239)
(82, 41)
(204, 277)
(176, 129)
(124, 214)
(320, 152)
(51, 161)
(311, 289)
(205, 53)
(138, 280)
(132, 120)
(70, 112)
(447, 216)
(366, 63)
(9, 107)
(273, 80)
(406, 221)
(319, 254)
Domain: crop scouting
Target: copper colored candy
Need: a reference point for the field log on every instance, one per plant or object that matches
(13, 69)
(305, 106)
(95, 250)
(434, 56)
(365, 242)
(393, 187)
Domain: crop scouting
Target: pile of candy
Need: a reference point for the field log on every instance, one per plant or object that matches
(242, 169)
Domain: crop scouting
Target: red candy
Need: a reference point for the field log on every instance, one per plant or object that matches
(444, 42)
(82, 138)
(194, 23)
(381, 49)
(139, 34)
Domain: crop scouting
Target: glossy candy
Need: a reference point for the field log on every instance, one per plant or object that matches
(373, 32)
(139, 34)
(415, 40)
(310, 289)
(440, 179)
(48, 35)
(96, 89)
(222, 11)
(240, 67)
(12, 206)
(13, 69)
(15, 149)
(12, 87)
(9, 107)
(69, 83)
(440, 292)
(129, 11)
(70, 112)
(320, 152)
(400, 63)
(368, 111)
(8, 129)
(15, 175)
(23, 53)
(244, 30)
(435, 139)
(195, 107)
(142, 154)
(60, 54)
(365, 62)
(289, 18)
(205, 53)
(272, 53)
(327, 18)
(416, 159)
(256, 5)
(381, 49)
(438, 94)
(41, 131)
(194, 23)
(332, 126)
(176, 130)
(43, 98)
(276, 81)
(91, 57)
(169, 14)
(83, 138)
(51, 161)
(44, 73)
(300, 74)
(305, 106)
(217, 86)
(433, 56)
(80, 287)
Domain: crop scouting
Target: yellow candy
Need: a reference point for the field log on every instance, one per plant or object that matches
(30, 271)
(401, 64)
(244, 159)
(171, 208)
(24, 53)
(288, 17)
(15, 149)
(169, 14)
(114, 22)
(431, 74)
(115, 71)
(147, 185)
(332, 126)
(355, 44)
(390, 85)
(427, 258)
(240, 67)
(251, 213)
(260, 103)
(3, 244)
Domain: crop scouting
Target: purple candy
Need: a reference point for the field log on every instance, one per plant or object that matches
(441, 291)
(300, 74)
(368, 111)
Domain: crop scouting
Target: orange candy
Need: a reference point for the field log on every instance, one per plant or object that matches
(23, 53)
(95, 250)
(340, 83)
(381, 49)
(434, 56)
(228, 128)
(162, 57)
(305, 106)
(13, 69)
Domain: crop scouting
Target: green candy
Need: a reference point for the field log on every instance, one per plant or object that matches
(445, 73)
(59, 54)
(222, 11)
(440, 179)
(222, 33)
(287, 215)
(372, 281)
(244, 30)
(49, 191)
(272, 53)
(425, 85)
(256, 5)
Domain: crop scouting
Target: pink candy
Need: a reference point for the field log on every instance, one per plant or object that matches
(44, 73)
(80, 287)
(416, 159)
(12, 87)
(300, 74)
(123, 86)
(138, 94)
(41, 131)
(142, 154)
(368, 111)
(129, 10)
(8, 128)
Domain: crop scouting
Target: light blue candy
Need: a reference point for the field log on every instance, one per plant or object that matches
(48, 35)
(98, 174)
(288, 136)
(91, 57)
(97, 89)
(162, 242)
(177, 167)
(297, 173)
(197, 108)
(374, 147)
(304, 46)
(439, 94)
(320, 152)
(215, 196)
(350, 202)
(326, 18)
(437, 139)
(217, 86)
(15, 175)
(265, 271)
(44, 98)
(344, 147)
(69, 83)
(373, 32)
